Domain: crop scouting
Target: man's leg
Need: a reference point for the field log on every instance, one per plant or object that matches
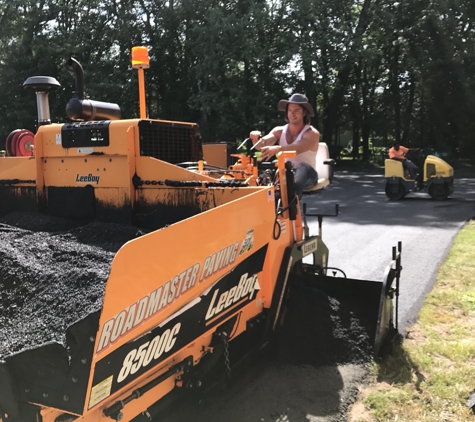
(407, 166)
(412, 169)
(305, 177)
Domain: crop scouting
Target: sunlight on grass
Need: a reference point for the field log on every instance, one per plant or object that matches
(431, 375)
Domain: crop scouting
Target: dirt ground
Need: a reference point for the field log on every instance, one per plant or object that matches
(53, 272)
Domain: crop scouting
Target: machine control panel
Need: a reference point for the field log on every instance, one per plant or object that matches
(85, 134)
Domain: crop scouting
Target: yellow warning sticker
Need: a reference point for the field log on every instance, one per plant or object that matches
(100, 391)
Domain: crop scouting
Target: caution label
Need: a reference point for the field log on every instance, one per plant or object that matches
(100, 391)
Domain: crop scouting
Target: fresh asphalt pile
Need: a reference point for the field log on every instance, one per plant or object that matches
(319, 330)
(52, 273)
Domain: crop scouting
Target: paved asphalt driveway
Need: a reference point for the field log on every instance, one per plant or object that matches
(361, 238)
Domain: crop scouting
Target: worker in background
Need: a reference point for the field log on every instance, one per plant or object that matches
(297, 135)
(398, 152)
(3, 153)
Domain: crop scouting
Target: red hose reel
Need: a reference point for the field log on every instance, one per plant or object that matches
(20, 143)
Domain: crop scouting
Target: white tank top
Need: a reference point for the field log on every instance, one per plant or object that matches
(309, 157)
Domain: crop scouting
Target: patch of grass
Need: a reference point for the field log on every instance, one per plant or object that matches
(429, 377)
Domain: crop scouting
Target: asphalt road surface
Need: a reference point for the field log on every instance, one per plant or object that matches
(361, 237)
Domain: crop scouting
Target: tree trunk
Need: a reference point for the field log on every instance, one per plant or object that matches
(310, 91)
(408, 111)
(396, 95)
(366, 113)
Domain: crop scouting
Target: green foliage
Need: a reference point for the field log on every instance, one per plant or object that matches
(378, 69)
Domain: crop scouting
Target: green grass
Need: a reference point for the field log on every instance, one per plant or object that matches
(429, 377)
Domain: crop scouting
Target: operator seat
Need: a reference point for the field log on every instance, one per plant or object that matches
(324, 168)
(394, 168)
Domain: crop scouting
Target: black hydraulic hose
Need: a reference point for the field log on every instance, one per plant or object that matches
(277, 229)
(276, 233)
(323, 270)
(291, 191)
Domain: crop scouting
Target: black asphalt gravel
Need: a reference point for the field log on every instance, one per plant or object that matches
(52, 273)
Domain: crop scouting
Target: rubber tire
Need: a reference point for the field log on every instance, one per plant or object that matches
(395, 196)
(439, 192)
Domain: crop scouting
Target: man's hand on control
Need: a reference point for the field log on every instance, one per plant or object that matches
(255, 135)
(270, 151)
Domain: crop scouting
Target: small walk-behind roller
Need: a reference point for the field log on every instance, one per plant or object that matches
(436, 178)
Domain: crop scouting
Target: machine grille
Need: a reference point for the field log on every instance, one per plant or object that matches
(173, 142)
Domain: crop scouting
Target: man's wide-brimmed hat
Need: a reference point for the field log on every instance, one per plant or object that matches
(299, 99)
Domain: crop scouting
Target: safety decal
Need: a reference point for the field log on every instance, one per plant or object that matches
(248, 242)
(100, 391)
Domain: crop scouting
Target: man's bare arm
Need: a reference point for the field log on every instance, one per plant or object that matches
(270, 139)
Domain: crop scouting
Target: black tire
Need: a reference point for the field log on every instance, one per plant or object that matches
(439, 191)
(395, 191)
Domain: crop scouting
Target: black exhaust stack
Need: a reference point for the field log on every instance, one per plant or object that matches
(80, 108)
(79, 93)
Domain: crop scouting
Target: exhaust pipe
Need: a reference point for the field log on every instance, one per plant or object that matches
(80, 108)
(42, 85)
(79, 93)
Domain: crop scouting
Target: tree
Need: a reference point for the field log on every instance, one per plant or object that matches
(384, 70)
